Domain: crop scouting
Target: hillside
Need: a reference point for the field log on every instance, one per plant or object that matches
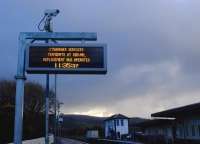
(81, 121)
(85, 121)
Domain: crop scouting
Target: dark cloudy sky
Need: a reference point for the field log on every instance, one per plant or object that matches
(153, 52)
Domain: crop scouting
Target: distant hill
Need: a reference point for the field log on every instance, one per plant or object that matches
(85, 121)
(77, 125)
(136, 120)
(81, 121)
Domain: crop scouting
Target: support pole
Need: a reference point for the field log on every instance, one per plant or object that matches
(19, 100)
(48, 28)
(19, 111)
(55, 108)
(47, 111)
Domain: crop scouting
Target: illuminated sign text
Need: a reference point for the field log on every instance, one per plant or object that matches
(66, 58)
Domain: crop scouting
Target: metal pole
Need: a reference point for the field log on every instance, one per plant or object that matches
(47, 106)
(59, 119)
(55, 108)
(19, 101)
(47, 111)
(48, 28)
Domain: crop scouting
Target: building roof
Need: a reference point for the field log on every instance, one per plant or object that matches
(180, 111)
(155, 123)
(116, 116)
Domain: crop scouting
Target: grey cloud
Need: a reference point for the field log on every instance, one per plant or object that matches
(153, 51)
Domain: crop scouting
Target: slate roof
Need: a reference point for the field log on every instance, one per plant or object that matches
(116, 116)
(179, 112)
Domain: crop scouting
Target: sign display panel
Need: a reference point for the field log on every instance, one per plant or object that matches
(66, 58)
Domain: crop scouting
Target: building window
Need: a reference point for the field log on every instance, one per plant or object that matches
(186, 131)
(180, 132)
(199, 129)
(193, 130)
(122, 122)
(165, 131)
(117, 121)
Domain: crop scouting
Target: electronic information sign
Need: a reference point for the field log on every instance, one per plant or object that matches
(66, 58)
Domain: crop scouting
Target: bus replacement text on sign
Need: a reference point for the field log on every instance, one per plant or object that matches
(66, 58)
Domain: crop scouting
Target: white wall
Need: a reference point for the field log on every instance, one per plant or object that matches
(119, 128)
(109, 124)
(122, 129)
(92, 134)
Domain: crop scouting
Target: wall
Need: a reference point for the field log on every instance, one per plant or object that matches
(92, 134)
(119, 128)
(108, 124)
(188, 128)
(122, 129)
(166, 131)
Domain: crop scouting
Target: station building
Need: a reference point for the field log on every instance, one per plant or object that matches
(186, 122)
(179, 125)
(158, 127)
(116, 126)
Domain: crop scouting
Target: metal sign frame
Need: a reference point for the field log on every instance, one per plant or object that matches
(38, 70)
(25, 38)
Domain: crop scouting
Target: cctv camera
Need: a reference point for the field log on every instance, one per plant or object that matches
(51, 12)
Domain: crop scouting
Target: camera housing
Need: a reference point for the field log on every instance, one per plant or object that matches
(51, 12)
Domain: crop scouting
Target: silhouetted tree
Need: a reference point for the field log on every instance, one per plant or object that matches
(34, 98)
